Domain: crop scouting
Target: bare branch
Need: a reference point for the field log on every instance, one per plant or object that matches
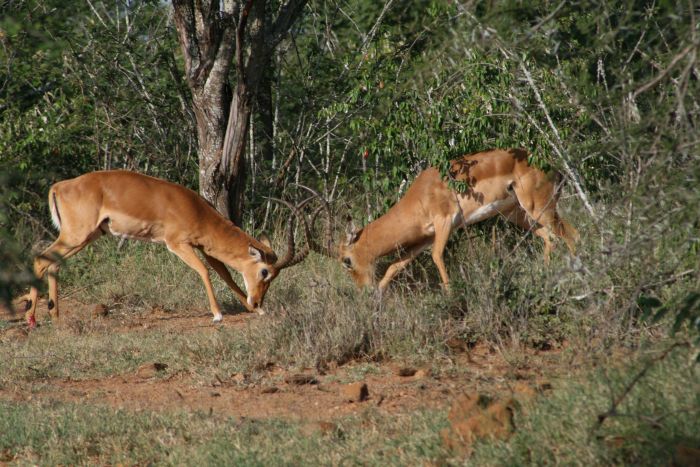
(664, 72)
(288, 14)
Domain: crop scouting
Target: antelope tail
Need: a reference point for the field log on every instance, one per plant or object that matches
(53, 207)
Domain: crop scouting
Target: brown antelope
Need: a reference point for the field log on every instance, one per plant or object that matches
(131, 205)
(499, 182)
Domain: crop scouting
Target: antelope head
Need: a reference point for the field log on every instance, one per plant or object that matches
(352, 253)
(355, 257)
(265, 264)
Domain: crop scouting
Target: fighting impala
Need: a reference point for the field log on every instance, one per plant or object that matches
(500, 182)
(131, 205)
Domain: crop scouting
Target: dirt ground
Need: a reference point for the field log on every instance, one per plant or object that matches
(309, 395)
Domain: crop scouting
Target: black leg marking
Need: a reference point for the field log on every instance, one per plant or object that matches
(28, 305)
(51, 304)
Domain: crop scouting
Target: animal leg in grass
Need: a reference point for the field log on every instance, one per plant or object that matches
(539, 200)
(222, 271)
(399, 265)
(568, 233)
(48, 261)
(443, 227)
(186, 253)
(519, 217)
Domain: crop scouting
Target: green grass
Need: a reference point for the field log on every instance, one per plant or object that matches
(659, 413)
(50, 434)
(59, 353)
(501, 294)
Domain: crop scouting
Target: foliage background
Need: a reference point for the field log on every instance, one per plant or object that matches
(365, 95)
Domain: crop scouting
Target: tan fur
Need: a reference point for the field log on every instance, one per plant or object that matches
(500, 182)
(132, 205)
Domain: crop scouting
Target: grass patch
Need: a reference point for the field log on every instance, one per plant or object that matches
(69, 434)
(61, 353)
(661, 412)
(501, 293)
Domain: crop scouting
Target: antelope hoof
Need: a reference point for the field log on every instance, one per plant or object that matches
(218, 318)
(31, 322)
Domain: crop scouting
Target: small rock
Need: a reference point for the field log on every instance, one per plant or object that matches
(523, 391)
(457, 345)
(99, 311)
(543, 386)
(542, 345)
(355, 392)
(474, 416)
(331, 429)
(327, 427)
(156, 310)
(422, 373)
(406, 371)
(6, 456)
(467, 405)
(615, 442)
(238, 378)
(301, 379)
(149, 370)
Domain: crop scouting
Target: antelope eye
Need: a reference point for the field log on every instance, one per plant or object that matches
(264, 273)
(347, 262)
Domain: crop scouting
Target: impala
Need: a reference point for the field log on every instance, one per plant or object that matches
(135, 206)
(500, 182)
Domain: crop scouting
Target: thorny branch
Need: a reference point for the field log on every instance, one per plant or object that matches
(612, 411)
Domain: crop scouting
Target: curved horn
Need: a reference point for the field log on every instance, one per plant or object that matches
(290, 258)
(328, 248)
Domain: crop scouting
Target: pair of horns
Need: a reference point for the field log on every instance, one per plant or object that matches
(326, 248)
(291, 256)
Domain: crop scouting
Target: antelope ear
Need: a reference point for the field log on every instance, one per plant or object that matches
(265, 240)
(352, 232)
(255, 253)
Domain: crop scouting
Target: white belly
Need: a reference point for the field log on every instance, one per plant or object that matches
(486, 211)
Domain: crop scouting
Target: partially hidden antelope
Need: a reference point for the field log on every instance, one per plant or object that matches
(499, 182)
(135, 206)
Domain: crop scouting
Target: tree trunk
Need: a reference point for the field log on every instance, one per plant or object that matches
(231, 198)
(210, 33)
(211, 113)
(264, 116)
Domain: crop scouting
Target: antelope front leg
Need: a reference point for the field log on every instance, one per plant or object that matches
(186, 253)
(399, 265)
(46, 262)
(53, 292)
(443, 227)
(222, 271)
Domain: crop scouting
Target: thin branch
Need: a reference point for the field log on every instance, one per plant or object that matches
(373, 32)
(664, 72)
(570, 170)
(547, 18)
(612, 411)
